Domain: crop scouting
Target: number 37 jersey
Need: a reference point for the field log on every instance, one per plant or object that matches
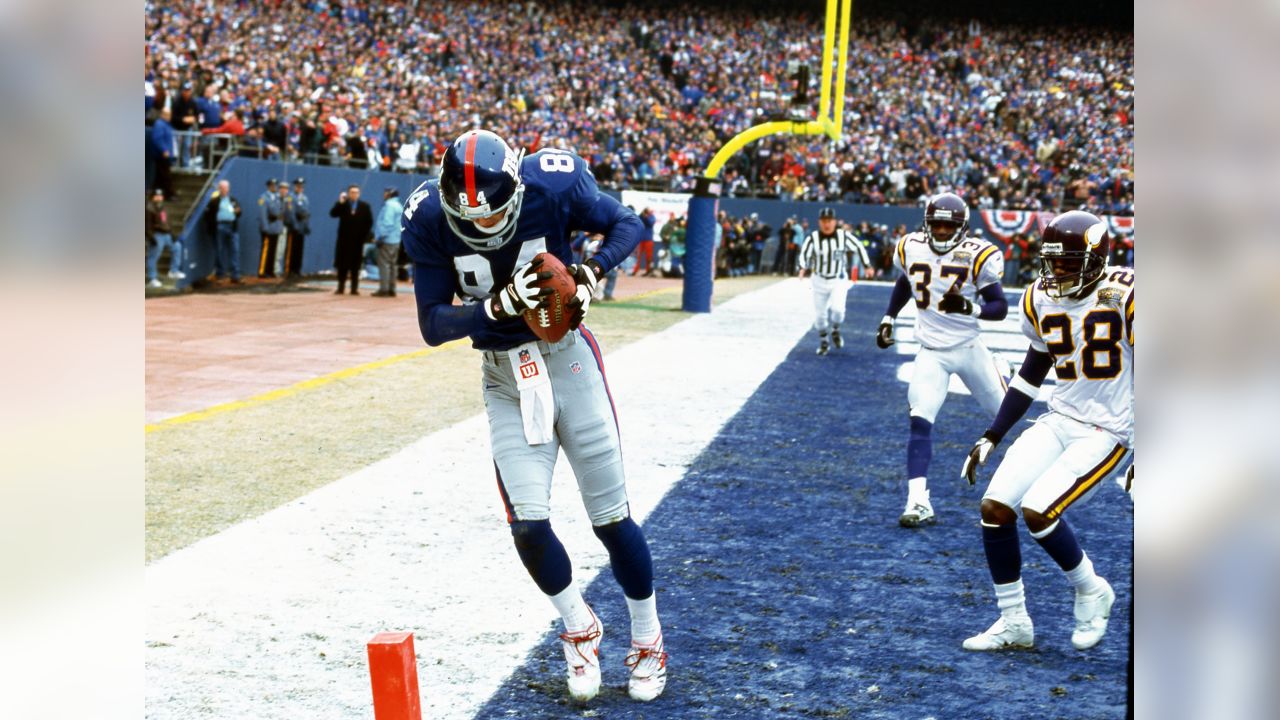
(967, 268)
(1091, 341)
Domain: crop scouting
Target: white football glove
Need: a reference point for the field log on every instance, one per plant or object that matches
(977, 456)
(587, 276)
(521, 294)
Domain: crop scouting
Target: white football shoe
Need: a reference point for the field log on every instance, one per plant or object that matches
(582, 659)
(1005, 633)
(648, 665)
(1092, 613)
(918, 511)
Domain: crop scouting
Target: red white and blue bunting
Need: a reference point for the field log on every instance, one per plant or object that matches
(1004, 224)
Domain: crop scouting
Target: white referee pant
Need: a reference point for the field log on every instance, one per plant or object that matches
(975, 365)
(829, 296)
(1054, 464)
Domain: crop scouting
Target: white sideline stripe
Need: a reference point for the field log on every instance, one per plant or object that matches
(269, 618)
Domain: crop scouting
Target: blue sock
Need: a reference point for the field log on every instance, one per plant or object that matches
(1004, 556)
(628, 557)
(1060, 542)
(543, 555)
(919, 447)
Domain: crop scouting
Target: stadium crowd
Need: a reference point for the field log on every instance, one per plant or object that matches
(1009, 116)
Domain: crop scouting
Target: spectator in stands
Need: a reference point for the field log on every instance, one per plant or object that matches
(297, 218)
(221, 219)
(159, 236)
(644, 250)
(355, 223)
(163, 148)
(386, 237)
(1006, 108)
(184, 113)
(676, 246)
(275, 137)
(233, 126)
(209, 109)
(787, 247)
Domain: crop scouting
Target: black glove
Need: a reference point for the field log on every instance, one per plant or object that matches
(521, 294)
(954, 302)
(884, 334)
(978, 456)
(1127, 481)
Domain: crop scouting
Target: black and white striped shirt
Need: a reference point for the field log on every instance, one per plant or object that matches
(828, 256)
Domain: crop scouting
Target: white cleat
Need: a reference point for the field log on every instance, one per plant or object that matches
(648, 665)
(918, 512)
(836, 339)
(1092, 613)
(582, 657)
(1004, 634)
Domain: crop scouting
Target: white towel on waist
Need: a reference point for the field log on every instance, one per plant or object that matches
(537, 402)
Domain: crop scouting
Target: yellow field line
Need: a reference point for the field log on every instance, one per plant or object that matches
(323, 380)
(296, 388)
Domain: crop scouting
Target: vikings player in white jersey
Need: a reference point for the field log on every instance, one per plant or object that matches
(1079, 318)
(955, 281)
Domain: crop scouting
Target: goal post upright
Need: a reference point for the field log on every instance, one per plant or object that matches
(700, 247)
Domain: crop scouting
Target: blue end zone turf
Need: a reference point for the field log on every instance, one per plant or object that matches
(787, 589)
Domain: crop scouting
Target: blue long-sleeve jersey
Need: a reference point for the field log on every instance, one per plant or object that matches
(559, 199)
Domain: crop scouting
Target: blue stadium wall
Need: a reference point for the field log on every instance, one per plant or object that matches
(249, 176)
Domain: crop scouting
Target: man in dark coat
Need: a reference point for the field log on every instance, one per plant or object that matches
(355, 228)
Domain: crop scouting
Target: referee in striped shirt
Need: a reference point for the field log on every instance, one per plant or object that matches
(832, 256)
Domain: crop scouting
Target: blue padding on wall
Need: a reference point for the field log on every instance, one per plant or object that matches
(699, 258)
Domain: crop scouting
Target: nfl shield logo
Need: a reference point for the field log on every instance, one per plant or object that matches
(576, 367)
(524, 356)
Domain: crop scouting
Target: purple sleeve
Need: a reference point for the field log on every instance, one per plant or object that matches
(1035, 368)
(996, 306)
(901, 294)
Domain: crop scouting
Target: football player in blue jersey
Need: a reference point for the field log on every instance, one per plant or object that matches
(474, 233)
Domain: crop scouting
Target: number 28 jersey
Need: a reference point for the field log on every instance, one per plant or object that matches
(1091, 341)
(968, 267)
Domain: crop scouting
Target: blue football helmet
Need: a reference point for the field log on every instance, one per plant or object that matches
(479, 179)
(946, 218)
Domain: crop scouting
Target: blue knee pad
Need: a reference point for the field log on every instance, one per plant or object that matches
(543, 555)
(919, 447)
(628, 557)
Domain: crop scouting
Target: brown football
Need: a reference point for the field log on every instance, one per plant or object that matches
(551, 321)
